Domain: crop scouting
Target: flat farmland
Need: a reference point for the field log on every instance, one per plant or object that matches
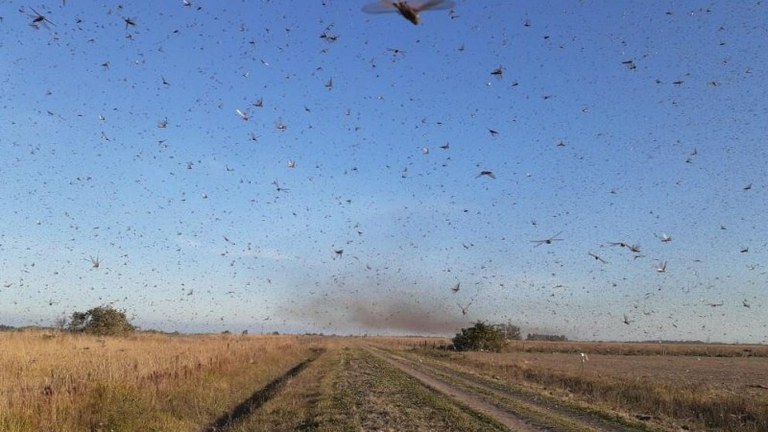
(687, 387)
(709, 374)
(63, 382)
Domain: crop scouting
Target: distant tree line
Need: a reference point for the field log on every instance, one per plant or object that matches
(545, 337)
(509, 331)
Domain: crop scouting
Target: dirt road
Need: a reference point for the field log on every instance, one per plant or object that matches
(464, 397)
(517, 409)
(363, 388)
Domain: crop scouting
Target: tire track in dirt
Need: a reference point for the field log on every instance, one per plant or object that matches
(517, 410)
(352, 390)
(464, 398)
(260, 397)
(384, 398)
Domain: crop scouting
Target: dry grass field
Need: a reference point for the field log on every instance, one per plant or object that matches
(151, 382)
(62, 382)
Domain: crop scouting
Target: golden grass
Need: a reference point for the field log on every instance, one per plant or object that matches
(308, 402)
(607, 348)
(64, 382)
(67, 382)
(642, 348)
(400, 342)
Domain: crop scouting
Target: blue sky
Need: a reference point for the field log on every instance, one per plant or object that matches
(202, 225)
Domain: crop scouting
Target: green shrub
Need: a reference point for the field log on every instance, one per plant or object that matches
(102, 320)
(480, 337)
